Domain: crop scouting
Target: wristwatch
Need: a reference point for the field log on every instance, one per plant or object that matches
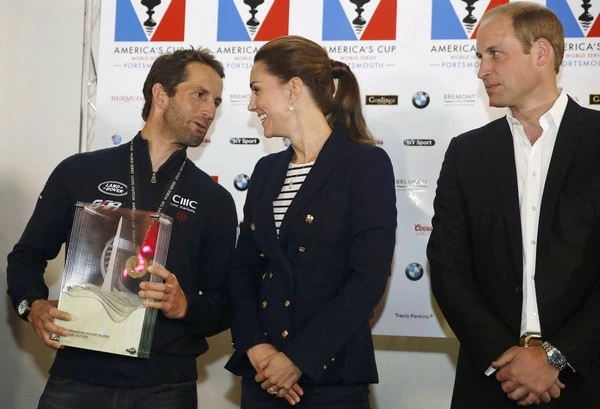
(24, 307)
(555, 357)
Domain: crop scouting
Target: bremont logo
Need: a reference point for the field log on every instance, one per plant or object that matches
(382, 100)
(594, 99)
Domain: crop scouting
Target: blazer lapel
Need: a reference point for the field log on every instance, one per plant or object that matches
(507, 190)
(326, 162)
(568, 138)
(264, 208)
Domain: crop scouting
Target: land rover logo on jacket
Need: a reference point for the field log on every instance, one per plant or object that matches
(113, 188)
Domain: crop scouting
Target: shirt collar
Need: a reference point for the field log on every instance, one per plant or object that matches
(554, 114)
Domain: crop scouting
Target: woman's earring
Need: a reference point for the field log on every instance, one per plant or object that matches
(290, 107)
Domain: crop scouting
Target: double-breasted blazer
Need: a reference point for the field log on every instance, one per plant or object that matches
(476, 257)
(311, 291)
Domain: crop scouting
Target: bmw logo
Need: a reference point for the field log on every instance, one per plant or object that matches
(420, 99)
(241, 182)
(414, 271)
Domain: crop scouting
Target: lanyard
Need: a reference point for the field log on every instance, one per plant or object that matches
(171, 186)
(136, 265)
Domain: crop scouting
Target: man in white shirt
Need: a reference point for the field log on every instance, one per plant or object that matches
(515, 246)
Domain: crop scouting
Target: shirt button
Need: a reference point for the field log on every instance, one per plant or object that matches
(533, 242)
(325, 367)
(287, 303)
(309, 218)
(533, 208)
(252, 226)
(284, 333)
(533, 174)
(263, 304)
(270, 275)
(301, 249)
(261, 255)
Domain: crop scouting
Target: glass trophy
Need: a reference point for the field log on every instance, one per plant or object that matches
(109, 252)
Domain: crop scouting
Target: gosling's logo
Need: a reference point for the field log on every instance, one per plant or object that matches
(381, 100)
(252, 20)
(359, 20)
(458, 19)
(579, 18)
(113, 188)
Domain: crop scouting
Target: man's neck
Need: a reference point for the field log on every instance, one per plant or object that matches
(159, 147)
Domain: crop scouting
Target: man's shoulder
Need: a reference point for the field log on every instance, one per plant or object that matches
(203, 183)
(93, 157)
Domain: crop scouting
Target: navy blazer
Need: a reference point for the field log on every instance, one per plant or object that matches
(475, 254)
(311, 292)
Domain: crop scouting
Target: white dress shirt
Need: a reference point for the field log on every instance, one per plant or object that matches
(532, 162)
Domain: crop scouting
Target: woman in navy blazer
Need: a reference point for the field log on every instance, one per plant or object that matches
(316, 244)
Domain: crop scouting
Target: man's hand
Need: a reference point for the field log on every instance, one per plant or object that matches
(166, 296)
(41, 317)
(526, 376)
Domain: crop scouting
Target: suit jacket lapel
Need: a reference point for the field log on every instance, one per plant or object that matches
(326, 162)
(567, 140)
(264, 208)
(507, 190)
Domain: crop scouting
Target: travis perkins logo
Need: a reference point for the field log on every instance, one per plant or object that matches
(381, 100)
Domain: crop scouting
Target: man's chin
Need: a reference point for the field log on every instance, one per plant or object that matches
(195, 141)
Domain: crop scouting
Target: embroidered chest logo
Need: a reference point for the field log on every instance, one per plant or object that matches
(183, 203)
(113, 188)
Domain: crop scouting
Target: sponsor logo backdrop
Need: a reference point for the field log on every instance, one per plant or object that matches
(415, 61)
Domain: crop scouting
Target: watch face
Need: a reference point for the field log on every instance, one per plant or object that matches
(556, 359)
(23, 307)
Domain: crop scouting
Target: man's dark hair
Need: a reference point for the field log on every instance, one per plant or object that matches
(171, 69)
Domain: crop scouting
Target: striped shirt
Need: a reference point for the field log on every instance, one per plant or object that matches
(295, 176)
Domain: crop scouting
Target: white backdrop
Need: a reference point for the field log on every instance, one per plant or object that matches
(416, 64)
(42, 42)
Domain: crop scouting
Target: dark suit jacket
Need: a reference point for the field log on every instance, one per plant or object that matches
(475, 254)
(311, 292)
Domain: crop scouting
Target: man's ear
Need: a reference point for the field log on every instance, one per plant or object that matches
(544, 52)
(159, 96)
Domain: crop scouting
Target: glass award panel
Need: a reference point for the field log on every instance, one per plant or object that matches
(108, 255)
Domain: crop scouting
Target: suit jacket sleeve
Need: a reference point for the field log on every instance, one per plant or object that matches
(479, 329)
(208, 312)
